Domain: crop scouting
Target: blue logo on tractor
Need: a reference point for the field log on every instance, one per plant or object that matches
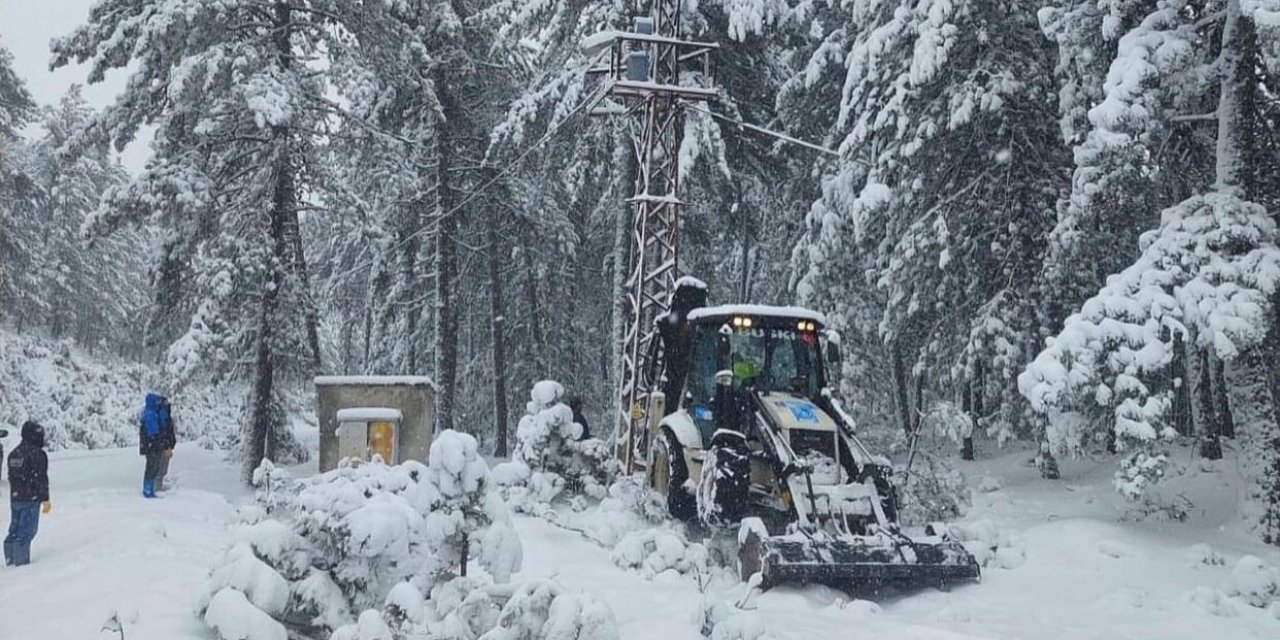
(801, 411)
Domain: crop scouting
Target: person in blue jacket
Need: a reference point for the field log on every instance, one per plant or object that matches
(155, 440)
(28, 493)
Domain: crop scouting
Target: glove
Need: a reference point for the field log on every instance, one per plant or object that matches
(168, 453)
(46, 506)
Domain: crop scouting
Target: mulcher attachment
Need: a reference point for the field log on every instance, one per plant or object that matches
(852, 562)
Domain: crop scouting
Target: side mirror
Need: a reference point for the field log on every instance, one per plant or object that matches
(833, 348)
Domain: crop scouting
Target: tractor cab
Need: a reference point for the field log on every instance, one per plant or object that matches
(773, 351)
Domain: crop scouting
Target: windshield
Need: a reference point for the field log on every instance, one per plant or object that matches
(775, 360)
(770, 359)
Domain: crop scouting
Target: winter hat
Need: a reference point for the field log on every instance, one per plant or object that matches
(33, 433)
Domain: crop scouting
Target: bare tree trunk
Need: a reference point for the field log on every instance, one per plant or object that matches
(1229, 174)
(1266, 441)
(535, 308)
(409, 276)
(1210, 447)
(446, 330)
(1179, 379)
(497, 322)
(1221, 406)
(346, 338)
(966, 405)
(368, 337)
(901, 393)
(917, 415)
(972, 406)
(298, 269)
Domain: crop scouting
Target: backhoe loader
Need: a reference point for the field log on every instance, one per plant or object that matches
(755, 439)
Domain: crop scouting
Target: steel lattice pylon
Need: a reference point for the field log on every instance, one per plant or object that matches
(673, 71)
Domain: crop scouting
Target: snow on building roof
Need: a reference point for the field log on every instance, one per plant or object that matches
(798, 313)
(365, 414)
(373, 381)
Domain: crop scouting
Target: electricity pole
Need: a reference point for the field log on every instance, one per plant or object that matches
(652, 73)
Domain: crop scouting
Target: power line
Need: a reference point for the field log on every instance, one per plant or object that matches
(768, 132)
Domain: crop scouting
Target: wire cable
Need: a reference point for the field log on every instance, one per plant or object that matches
(768, 132)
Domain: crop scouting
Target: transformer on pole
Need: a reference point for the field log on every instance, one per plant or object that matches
(651, 73)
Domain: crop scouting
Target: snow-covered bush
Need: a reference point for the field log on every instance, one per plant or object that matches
(543, 610)
(1138, 480)
(1202, 554)
(235, 618)
(551, 455)
(931, 491)
(652, 551)
(315, 551)
(1139, 471)
(629, 506)
(1255, 582)
(466, 517)
(990, 545)
(463, 609)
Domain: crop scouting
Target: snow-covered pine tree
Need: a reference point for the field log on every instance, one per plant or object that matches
(945, 188)
(418, 136)
(1210, 271)
(1110, 57)
(373, 233)
(16, 108)
(92, 292)
(566, 204)
(747, 192)
(467, 519)
(239, 113)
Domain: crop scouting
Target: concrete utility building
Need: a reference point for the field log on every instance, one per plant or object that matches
(364, 416)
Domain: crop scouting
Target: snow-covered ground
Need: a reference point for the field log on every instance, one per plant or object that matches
(104, 550)
(1075, 570)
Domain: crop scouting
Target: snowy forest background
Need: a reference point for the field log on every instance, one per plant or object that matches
(1056, 221)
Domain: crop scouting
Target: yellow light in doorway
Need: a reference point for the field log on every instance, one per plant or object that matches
(382, 441)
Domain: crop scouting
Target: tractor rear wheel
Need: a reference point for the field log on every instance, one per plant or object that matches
(668, 474)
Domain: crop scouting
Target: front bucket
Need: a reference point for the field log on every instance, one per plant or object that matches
(854, 562)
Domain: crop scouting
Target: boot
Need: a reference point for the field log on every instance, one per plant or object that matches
(148, 488)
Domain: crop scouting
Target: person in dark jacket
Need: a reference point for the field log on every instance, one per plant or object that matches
(28, 493)
(151, 442)
(168, 440)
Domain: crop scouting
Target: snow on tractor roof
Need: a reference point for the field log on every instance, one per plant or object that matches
(794, 313)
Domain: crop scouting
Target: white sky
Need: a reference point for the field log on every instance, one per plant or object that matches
(26, 27)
